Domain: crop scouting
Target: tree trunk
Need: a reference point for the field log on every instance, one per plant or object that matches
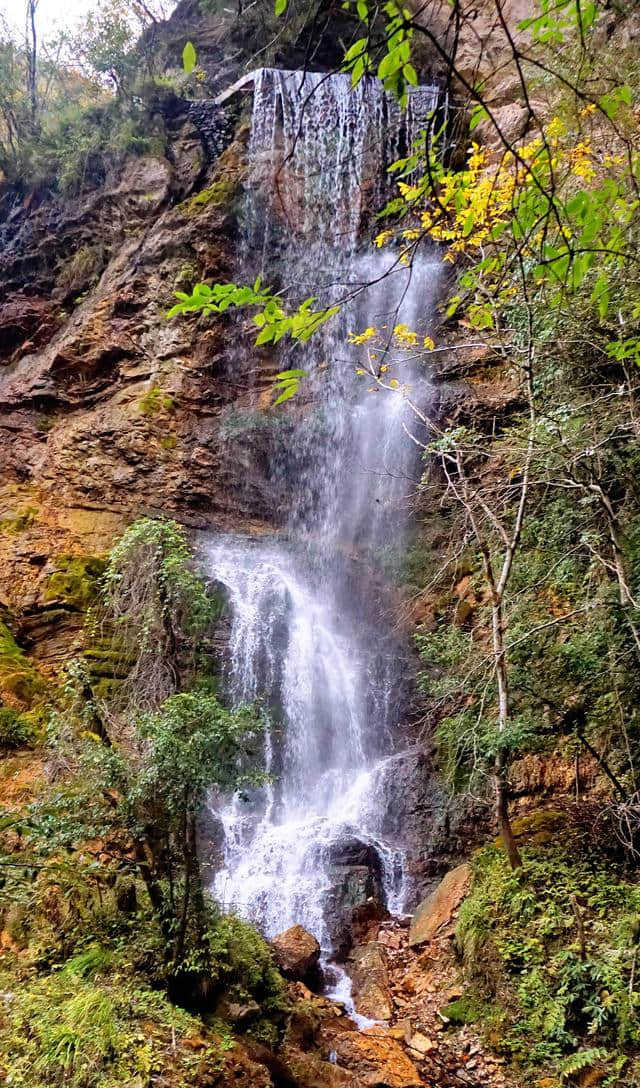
(32, 62)
(500, 769)
(154, 891)
(502, 812)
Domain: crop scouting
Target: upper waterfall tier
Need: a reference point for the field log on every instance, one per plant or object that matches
(324, 147)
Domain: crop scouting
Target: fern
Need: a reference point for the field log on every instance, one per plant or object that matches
(582, 1059)
(554, 1020)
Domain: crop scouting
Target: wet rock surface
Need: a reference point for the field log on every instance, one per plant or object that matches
(376, 1058)
(419, 1045)
(370, 978)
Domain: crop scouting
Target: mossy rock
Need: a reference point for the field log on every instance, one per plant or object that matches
(17, 523)
(464, 1010)
(75, 581)
(108, 662)
(155, 402)
(106, 690)
(18, 677)
(13, 733)
(540, 827)
(21, 728)
(221, 193)
(225, 185)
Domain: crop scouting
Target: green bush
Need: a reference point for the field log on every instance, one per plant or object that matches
(78, 143)
(83, 1029)
(17, 674)
(15, 729)
(242, 964)
(550, 994)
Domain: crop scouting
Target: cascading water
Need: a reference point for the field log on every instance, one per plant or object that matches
(309, 633)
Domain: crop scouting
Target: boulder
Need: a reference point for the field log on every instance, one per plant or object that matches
(236, 1012)
(355, 869)
(311, 1071)
(352, 852)
(297, 954)
(371, 993)
(436, 911)
(376, 1058)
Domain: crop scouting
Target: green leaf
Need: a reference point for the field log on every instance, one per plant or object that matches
(289, 391)
(479, 114)
(189, 58)
(265, 336)
(468, 225)
(600, 295)
(286, 375)
(389, 65)
(410, 75)
(613, 100)
(588, 15)
(358, 49)
(280, 7)
(357, 72)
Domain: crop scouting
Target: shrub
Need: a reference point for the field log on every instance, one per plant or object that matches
(98, 1032)
(242, 964)
(552, 989)
(14, 728)
(158, 607)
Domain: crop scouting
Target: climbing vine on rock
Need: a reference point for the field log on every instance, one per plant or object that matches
(156, 608)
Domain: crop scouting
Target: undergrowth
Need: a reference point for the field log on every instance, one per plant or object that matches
(551, 955)
(92, 1025)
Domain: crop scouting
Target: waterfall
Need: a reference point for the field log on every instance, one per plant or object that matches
(310, 634)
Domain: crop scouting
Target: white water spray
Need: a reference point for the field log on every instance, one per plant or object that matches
(309, 635)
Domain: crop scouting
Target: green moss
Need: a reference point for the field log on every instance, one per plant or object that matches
(169, 442)
(17, 523)
(81, 269)
(107, 661)
(155, 401)
(540, 827)
(18, 676)
(75, 580)
(465, 1010)
(13, 731)
(18, 728)
(188, 275)
(106, 689)
(222, 192)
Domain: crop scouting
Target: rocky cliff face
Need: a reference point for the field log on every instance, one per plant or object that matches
(108, 410)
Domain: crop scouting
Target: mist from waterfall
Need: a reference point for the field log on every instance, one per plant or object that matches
(310, 635)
